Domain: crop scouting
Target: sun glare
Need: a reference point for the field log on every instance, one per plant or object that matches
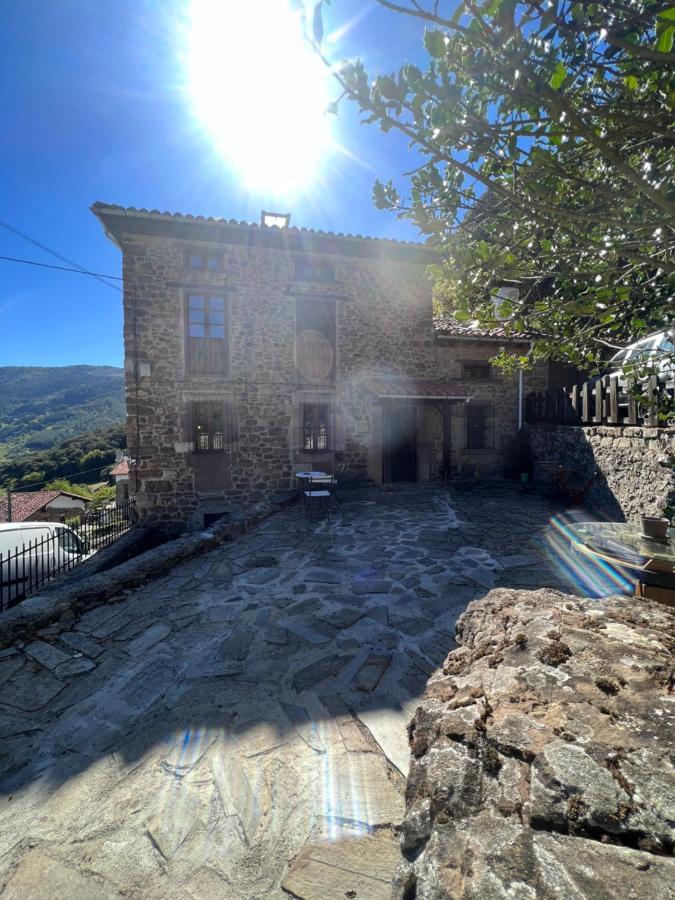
(259, 91)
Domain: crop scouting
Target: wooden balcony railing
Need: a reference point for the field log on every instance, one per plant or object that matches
(605, 401)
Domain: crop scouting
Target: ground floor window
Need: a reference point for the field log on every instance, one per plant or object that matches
(212, 426)
(317, 426)
(479, 426)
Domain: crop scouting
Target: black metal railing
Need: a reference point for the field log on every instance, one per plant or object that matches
(58, 548)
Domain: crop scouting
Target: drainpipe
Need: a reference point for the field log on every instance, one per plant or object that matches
(520, 399)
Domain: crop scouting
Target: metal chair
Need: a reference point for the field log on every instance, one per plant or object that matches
(318, 492)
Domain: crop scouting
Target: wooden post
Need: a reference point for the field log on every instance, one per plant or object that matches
(575, 400)
(598, 393)
(613, 386)
(652, 417)
(585, 403)
(446, 412)
(632, 405)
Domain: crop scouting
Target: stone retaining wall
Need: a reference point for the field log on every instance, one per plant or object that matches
(540, 754)
(633, 468)
(94, 583)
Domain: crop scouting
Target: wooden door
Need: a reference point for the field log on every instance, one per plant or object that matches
(403, 442)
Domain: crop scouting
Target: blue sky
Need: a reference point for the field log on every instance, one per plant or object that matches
(93, 107)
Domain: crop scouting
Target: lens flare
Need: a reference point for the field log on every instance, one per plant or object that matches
(585, 574)
(259, 91)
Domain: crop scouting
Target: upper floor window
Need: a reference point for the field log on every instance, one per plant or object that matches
(209, 261)
(308, 268)
(479, 426)
(479, 370)
(206, 329)
(315, 339)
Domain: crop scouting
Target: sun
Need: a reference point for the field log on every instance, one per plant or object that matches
(259, 91)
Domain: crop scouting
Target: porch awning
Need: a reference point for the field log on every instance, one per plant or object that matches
(415, 389)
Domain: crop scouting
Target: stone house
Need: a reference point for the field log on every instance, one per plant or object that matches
(43, 506)
(120, 472)
(254, 352)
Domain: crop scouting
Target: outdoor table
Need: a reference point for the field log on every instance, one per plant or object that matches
(303, 476)
(622, 544)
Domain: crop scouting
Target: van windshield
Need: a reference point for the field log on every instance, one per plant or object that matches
(69, 541)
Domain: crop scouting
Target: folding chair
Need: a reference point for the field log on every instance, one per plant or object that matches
(318, 492)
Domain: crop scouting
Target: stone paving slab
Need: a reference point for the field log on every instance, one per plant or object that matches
(237, 728)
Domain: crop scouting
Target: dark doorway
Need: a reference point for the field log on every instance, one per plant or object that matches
(403, 442)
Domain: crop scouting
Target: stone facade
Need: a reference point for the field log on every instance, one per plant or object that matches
(631, 470)
(382, 326)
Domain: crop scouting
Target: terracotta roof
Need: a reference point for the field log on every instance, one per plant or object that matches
(449, 327)
(423, 388)
(99, 208)
(27, 503)
(122, 468)
(120, 220)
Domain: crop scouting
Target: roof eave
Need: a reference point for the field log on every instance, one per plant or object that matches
(119, 222)
(491, 338)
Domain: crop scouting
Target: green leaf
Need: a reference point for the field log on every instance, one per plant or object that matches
(458, 13)
(387, 87)
(546, 246)
(664, 43)
(558, 76)
(668, 15)
(434, 41)
(483, 249)
(631, 82)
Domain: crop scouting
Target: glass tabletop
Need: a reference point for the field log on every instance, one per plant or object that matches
(623, 542)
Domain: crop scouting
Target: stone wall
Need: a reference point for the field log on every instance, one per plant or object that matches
(383, 328)
(541, 755)
(632, 469)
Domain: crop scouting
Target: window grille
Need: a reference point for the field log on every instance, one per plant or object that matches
(317, 427)
(479, 426)
(206, 328)
(477, 370)
(213, 426)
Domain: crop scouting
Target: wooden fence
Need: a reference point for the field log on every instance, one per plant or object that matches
(604, 402)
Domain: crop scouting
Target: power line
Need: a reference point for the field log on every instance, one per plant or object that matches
(65, 259)
(34, 484)
(97, 275)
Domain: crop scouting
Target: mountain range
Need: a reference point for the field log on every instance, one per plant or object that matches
(42, 406)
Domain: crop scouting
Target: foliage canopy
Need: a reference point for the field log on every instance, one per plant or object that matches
(545, 141)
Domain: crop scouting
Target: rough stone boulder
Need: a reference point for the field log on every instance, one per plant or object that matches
(540, 754)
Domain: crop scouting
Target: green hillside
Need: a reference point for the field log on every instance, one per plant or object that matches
(42, 406)
(79, 459)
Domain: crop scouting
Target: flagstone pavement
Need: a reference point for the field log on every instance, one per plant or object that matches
(237, 729)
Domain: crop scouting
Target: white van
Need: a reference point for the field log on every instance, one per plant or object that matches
(653, 354)
(50, 549)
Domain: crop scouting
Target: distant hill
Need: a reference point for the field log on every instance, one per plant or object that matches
(41, 406)
(79, 460)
